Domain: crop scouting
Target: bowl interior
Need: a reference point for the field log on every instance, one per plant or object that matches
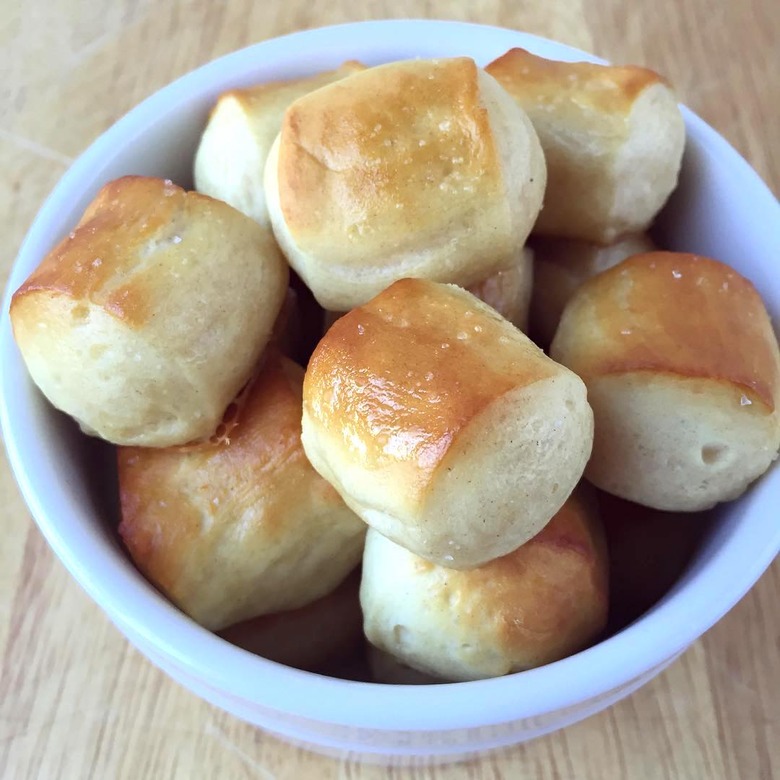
(720, 209)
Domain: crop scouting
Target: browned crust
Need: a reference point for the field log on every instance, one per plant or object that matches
(407, 371)
(680, 314)
(608, 88)
(361, 154)
(166, 493)
(94, 262)
(261, 93)
(548, 598)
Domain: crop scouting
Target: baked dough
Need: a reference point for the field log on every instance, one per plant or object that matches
(442, 425)
(244, 527)
(561, 265)
(146, 321)
(314, 637)
(241, 128)
(421, 168)
(683, 375)
(542, 602)
(613, 138)
(508, 291)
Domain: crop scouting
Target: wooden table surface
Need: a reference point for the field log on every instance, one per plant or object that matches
(76, 700)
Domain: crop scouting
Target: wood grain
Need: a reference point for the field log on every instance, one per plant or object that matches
(76, 701)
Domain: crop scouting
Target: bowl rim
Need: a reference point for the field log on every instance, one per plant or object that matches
(150, 620)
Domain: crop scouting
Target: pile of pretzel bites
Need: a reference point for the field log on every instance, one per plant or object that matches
(377, 374)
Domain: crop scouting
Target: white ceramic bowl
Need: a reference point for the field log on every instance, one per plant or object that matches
(721, 209)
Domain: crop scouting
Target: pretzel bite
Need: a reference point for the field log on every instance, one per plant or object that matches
(243, 527)
(542, 602)
(442, 425)
(683, 375)
(422, 168)
(613, 138)
(147, 320)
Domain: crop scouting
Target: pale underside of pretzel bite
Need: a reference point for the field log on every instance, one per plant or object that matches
(316, 637)
(508, 291)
